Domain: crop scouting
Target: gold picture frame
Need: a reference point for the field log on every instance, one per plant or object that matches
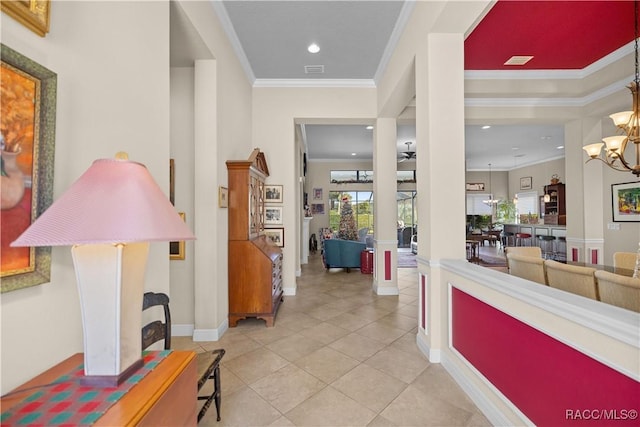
(33, 14)
(36, 139)
(223, 197)
(176, 249)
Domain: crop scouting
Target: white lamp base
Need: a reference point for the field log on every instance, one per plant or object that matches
(111, 283)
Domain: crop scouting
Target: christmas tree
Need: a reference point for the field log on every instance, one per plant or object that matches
(348, 229)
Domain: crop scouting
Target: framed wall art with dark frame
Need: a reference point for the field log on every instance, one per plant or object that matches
(176, 249)
(33, 14)
(625, 202)
(28, 148)
(276, 235)
(526, 183)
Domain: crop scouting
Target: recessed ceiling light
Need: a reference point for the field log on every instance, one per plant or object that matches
(369, 127)
(486, 127)
(515, 148)
(518, 60)
(560, 147)
(353, 154)
(313, 48)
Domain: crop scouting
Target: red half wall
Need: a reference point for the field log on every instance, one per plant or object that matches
(550, 382)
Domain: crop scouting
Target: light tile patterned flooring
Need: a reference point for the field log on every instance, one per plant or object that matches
(338, 355)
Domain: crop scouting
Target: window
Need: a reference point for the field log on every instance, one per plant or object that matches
(476, 206)
(527, 203)
(361, 203)
(357, 176)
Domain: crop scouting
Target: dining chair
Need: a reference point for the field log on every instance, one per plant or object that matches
(527, 267)
(624, 260)
(572, 278)
(618, 290)
(208, 363)
(533, 251)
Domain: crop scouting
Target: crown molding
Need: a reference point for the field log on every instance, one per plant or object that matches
(551, 74)
(221, 11)
(398, 29)
(581, 101)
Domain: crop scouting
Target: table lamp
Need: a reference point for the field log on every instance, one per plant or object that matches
(109, 216)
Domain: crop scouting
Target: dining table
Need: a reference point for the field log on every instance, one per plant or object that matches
(611, 269)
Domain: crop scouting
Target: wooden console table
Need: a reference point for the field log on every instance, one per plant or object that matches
(166, 396)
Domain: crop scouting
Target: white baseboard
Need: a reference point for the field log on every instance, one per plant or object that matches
(385, 290)
(200, 334)
(289, 291)
(432, 355)
(181, 330)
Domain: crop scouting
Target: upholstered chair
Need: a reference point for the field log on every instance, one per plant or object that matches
(527, 267)
(618, 290)
(572, 278)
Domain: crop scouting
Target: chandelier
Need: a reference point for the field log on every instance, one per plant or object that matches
(628, 122)
(490, 201)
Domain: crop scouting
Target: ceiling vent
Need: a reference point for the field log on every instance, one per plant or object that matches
(314, 69)
(518, 60)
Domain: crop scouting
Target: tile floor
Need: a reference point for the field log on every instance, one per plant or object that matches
(338, 355)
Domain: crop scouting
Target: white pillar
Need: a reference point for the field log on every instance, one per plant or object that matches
(211, 302)
(584, 190)
(440, 176)
(385, 278)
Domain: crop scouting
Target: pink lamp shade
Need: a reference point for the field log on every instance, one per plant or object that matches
(114, 201)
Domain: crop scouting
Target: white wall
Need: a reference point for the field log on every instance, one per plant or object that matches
(113, 95)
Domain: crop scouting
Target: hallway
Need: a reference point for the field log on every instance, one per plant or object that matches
(338, 355)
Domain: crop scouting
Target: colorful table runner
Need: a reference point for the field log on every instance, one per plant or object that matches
(66, 402)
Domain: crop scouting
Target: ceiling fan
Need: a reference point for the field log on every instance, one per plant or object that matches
(407, 155)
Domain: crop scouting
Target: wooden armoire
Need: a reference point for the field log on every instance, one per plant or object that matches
(255, 264)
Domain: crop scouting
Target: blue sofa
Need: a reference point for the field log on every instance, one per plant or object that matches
(340, 253)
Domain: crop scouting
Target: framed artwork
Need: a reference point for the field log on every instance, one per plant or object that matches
(27, 152)
(475, 186)
(223, 197)
(172, 181)
(273, 215)
(276, 235)
(317, 194)
(273, 193)
(176, 249)
(33, 14)
(625, 201)
(317, 208)
(526, 183)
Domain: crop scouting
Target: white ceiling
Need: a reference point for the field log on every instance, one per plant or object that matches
(356, 39)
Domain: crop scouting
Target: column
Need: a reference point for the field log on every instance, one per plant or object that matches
(208, 256)
(584, 190)
(385, 279)
(440, 177)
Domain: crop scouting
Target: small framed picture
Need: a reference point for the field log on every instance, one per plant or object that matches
(625, 201)
(223, 197)
(317, 194)
(176, 249)
(317, 208)
(273, 215)
(526, 183)
(276, 235)
(273, 193)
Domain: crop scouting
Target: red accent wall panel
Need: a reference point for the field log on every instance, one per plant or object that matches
(423, 284)
(550, 382)
(594, 256)
(387, 265)
(574, 254)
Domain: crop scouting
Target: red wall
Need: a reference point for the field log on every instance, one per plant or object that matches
(550, 382)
